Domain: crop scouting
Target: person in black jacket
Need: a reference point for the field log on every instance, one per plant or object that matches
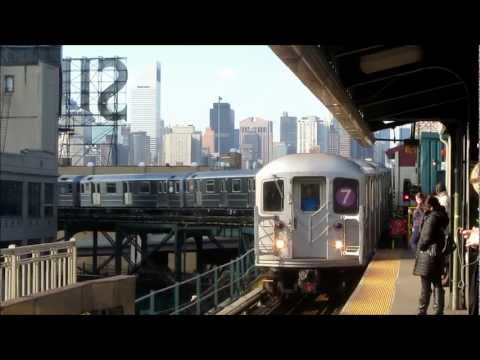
(432, 238)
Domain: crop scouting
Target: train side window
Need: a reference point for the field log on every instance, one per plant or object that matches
(125, 188)
(273, 195)
(345, 196)
(145, 187)
(198, 188)
(177, 186)
(98, 188)
(82, 188)
(111, 188)
(210, 186)
(236, 185)
(171, 188)
(160, 187)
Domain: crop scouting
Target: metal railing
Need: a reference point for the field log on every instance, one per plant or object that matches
(203, 293)
(28, 270)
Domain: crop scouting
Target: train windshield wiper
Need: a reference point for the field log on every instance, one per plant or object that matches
(280, 191)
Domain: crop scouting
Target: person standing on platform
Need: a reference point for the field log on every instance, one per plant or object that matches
(472, 237)
(417, 220)
(432, 239)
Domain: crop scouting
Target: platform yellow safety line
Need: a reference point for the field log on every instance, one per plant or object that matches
(375, 293)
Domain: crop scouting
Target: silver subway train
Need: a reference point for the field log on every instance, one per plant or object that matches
(316, 213)
(233, 189)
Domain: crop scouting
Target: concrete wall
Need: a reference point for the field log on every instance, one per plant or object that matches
(89, 297)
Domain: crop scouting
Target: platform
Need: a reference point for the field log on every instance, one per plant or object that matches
(388, 287)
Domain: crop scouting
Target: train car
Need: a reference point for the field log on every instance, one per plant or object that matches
(69, 190)
(221, 189)
(310, 215)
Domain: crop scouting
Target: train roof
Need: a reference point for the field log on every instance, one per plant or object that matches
(311, 165)
(132, 177)
(222, 174)
(69, 178)
(366, 167)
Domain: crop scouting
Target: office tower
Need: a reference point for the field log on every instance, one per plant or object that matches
(183, 146)
(236, 139)
(333, 140)
(288, 132)
(222, 115)
(208, 142)
(250, 149)
(312, 133)
(279, 149)
(380, 147)
(264, 130)
(139, 150)
(144, 109)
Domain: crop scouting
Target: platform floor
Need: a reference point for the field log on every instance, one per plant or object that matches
(389, 288)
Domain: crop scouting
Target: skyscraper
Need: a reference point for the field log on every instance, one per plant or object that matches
(288, 132)
(144, 109)
(209, 140)
(183, 146)
(264, 130)
(345, 144)
(139, 150)
(222, 115)
(380, 147)
(279, 150)
(333, 140)
(250, 149)
(312, 133)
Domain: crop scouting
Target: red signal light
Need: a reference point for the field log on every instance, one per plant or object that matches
(406, 197)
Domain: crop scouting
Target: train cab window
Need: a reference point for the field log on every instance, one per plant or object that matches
(66, 188)
(82, 188)
(210, 186)
(345, 196)
(273, 195)
(145, 187)
(236, 185)
(111, 188)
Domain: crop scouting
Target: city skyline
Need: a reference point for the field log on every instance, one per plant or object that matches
(250, 78)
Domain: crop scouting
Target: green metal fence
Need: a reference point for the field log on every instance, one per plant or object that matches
(204, 292)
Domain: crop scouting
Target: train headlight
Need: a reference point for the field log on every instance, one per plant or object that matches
(338, 244)
(280, 244)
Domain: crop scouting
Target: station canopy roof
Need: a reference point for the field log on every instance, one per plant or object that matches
(373, 87)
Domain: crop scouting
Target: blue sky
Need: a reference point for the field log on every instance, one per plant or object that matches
(251, 78)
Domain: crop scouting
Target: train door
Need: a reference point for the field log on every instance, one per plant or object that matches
(198, 193)
(222, 193)
(127, 194)
(96, 197)
(310, 218)
(251, 192)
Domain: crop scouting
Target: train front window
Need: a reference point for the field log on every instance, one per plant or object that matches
(273, 195)
(310, 195)
(345, 196)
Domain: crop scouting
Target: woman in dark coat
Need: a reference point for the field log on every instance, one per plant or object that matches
(432, 238)
(417, 218)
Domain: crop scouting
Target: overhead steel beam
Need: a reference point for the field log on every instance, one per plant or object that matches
(395, 98)
(389, 116)
(357, 51)
(311, 66)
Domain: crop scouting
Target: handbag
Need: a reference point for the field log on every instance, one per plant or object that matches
(425, 263)
(450, 245)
